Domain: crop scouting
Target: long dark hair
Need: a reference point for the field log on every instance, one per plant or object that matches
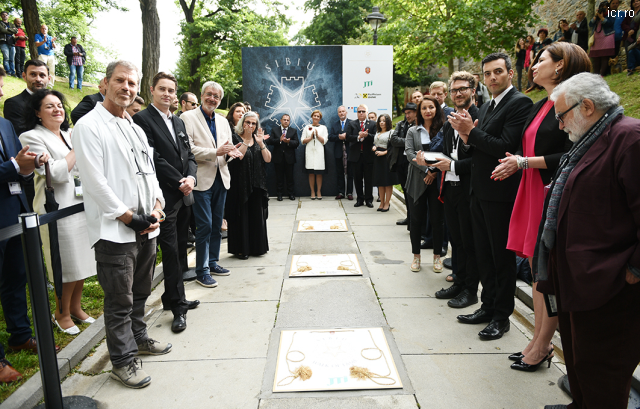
(387, 120)
(232, 110)
(438, 118)
(35, 104)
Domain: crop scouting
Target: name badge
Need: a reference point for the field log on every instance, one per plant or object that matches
(78, 186)
(454, 155)
(15, 188)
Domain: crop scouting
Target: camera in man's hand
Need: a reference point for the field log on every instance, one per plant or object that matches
(141, 222)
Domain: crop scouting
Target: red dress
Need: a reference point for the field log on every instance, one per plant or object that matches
(527, 210)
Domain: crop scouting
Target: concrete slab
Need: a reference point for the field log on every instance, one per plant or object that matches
(397, 280)
(381, 219)
(321, 214)
(386, 234)
(333, 303)
(362, 402)
(207, 383)
(276, 256)
(480, 381)
(279, 233)
(217, 331)
(244, 284)
(429, 326)
(85, 385)
(323, 243)
(350, 209)
(324, 204)
(97, 362)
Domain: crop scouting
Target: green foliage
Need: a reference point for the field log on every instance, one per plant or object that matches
(427, 32)
(216, 38)
(336, 22)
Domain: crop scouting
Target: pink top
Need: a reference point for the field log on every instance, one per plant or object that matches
(527, 210)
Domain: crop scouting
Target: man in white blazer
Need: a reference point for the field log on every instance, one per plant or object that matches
(123, 204)
(210, 139)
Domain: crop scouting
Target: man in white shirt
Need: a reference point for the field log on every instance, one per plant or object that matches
(123, 204)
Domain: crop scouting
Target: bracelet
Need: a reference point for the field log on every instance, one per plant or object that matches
(520, 161)
(263, 148)
(163, 215)
(526, 162)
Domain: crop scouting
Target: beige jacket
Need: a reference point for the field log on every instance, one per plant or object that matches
(204, 148)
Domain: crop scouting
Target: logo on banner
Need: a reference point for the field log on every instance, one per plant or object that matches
(292, 96)
(366, 95)
(368, 84)
(367, 70)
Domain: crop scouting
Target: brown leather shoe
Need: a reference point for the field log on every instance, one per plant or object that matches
(30, 345)
(8, 373)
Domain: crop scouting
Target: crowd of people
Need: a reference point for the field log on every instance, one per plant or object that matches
(496, 175)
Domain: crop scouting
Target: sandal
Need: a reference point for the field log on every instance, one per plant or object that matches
(449, 278)
(415, 265)
(437, 264)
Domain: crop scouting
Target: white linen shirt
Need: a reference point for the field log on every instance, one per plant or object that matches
(108, 172)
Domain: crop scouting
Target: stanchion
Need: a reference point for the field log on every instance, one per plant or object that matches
(42, 320)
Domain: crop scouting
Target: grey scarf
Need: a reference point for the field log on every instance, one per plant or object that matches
(547, 238)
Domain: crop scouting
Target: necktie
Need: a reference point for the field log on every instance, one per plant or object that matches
(491, 107)
(284, 133)
(3, 149)
(362, 130)
(342, 125)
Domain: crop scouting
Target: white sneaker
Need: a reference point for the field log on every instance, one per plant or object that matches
(132, 375)
(415, 265)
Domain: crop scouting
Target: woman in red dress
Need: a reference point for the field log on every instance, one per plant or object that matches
(543, 144)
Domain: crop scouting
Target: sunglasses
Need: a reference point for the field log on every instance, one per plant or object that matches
(193, 104)
(362, 112)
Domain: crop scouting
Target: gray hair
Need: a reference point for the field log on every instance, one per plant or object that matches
(366, 108)
(214, 85)
(240, 125)
(587, 86)
(127, 64)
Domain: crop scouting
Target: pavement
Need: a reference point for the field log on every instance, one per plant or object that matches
(226, 357)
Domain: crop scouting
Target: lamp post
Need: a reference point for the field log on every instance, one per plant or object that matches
(376, 20)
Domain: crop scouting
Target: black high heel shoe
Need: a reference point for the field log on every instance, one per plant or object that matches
(517, 356)
(521, 366)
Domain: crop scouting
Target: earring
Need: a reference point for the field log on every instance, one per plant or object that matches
(557, 72)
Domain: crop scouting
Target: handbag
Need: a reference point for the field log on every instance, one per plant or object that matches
(574, 37)
(592, 40)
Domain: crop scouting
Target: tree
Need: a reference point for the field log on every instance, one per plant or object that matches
(150, 46)
(335, 21)
(427, 32)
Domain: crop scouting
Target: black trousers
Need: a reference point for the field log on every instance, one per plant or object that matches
(402, 169)
(427, 203)
(496, 264)
(340, 177)
(284, 176)
(19, 61)
(457, 212)
(363, 174)
(173, 243)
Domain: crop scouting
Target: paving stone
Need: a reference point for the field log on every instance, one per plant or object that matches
(97, 361)
(321, 214)
(276, 256)
(385, 219)
(332, 303)
(397, 280)
(394, 234)
(362, 402)
(323, 243)
(244, 284)
(79, 384)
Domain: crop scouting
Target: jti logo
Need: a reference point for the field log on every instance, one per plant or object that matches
(368, 84)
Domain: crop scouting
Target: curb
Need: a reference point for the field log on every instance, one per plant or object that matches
(30, 393)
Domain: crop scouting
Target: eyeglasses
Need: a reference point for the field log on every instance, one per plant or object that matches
(362, 112)
(193, 104)
(149, 162)
(461, 90)
(213, 96)
(562, 114)
(250, 123)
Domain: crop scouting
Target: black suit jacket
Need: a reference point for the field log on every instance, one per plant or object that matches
(583, 33)
(68, 51)
(551, 142)
(496, 134)
(10, 205)
(462, 165)
(173, 161)
(282, 151)
(336, 129)
(354, 146)
(86, 105)
(15, 111)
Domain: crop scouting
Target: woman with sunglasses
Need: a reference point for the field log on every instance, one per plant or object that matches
(543, 144)
(246, 208)
(49, 123)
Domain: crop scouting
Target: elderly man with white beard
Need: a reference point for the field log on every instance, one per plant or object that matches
(588, 255)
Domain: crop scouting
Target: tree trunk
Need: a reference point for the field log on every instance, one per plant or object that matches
(450, 65)
(31, 19)
(591, 11)
(150, 46)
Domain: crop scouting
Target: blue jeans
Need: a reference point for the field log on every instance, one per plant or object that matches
(208, 210)
(633, 58)
(72, 75)
(8, 54)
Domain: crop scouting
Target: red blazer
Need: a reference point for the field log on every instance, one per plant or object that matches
(599, 220)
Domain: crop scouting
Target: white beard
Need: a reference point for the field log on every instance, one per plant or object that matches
(577, 128)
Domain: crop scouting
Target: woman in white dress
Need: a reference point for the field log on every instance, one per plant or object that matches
(49, 124)
(315, 136)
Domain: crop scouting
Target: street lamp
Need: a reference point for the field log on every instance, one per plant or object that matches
(376, 20)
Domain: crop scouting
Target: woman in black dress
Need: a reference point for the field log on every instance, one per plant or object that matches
(521, 53)
(247, 198)
(383, 178)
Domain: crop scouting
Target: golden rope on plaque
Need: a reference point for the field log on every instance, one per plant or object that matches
(347, 265)
(302, 372)
(306, 226)
(337, 226)
(301, 267)
(361, 373)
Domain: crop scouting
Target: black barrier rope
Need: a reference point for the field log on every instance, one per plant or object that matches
(16, 229)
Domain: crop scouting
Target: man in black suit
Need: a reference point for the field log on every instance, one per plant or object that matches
(455, 190)
(87, 104)
(360, 137)
(176, 171)
(398, 162)
(499, 130)
(284, 140)
(582, 28)
(338, 135)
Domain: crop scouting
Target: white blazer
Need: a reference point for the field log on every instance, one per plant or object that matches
(205, 148)
(108, 172)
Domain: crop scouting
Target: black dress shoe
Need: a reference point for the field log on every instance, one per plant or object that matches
(444, 252)
(447, 263)
(556, 406)
(478, 317)
(370, 205)
(450, 292)
(192, 304)
(464, 299)
(292, 197)
(242, 256)
(495, 330)
(279, 198)
(339, 196)
(563, 384)
(516, 357)
(179, 323)
(358, 204)
(378, 199)
(404, 222)
(426, 245)
(350, 197)
(521, 366)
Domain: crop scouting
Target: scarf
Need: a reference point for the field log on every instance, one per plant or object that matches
(568, 162)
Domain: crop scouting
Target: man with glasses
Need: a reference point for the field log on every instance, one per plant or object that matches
(210, 139)
(123, 203)
(188, 101)
(360, 137)
(176, 170)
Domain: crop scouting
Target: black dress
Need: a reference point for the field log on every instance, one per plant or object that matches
(247, 203)
(382, 175)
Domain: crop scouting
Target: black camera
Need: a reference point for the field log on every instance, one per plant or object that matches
(603, 7)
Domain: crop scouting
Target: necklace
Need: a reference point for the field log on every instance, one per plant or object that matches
(361, 373)
(302, 372)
